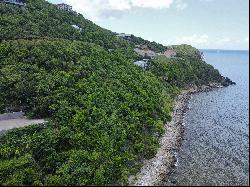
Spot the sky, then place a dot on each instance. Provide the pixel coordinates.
(204, 24)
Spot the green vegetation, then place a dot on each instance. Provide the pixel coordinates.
(41, 19)
(185, 70)
(106, 114)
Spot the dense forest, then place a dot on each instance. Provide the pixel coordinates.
(105, 114)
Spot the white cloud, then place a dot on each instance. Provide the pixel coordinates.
(156, 4)
(180, 5)
(195, 40)
(96, 9)
(223, 40)
(226, 41)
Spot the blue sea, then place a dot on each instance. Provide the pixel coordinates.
(215, 150)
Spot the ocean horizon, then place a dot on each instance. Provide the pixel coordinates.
(224, 50)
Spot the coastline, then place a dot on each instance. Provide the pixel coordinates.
(156, 169)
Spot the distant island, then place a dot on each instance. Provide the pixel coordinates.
(105, 112)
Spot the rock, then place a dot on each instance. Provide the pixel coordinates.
(228, 82)
(154, 170)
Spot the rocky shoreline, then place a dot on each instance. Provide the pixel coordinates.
(156, 169)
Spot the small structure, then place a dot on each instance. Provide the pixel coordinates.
(170, 53)
(77, 27)
(124, 36)
(142, 63)
(143, 47)
(65, 7)
(146, 53)
(14, 2)
(145, 60)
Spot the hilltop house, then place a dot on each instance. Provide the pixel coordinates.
(14, 2)
(170, 53)
(142, 63)
(124, 36)
(145, 52)
(65, 7)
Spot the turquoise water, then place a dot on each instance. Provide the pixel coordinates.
(215, 150)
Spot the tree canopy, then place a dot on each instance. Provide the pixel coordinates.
(105, 114)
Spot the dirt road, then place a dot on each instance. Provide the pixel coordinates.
(16, 123)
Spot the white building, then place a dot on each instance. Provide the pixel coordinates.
(170, 53)
(65, 7)
(77, 27)
(123, 35)
(142, 63)
(145, 52)
(14, 2)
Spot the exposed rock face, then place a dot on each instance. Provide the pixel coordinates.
(228, 82)
(156, 168)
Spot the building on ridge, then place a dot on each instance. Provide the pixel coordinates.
(64, 7)
(170, 53)
(14, 2)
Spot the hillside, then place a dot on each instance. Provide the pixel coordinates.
(105, 113)
(41, 19)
